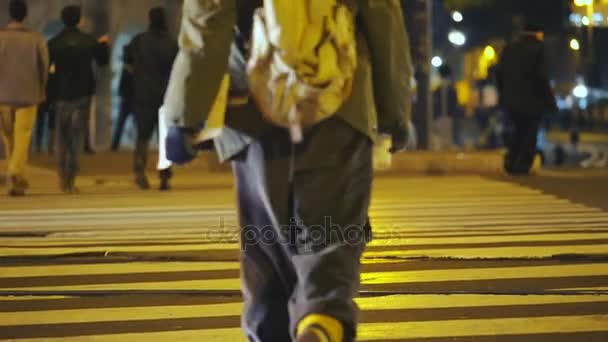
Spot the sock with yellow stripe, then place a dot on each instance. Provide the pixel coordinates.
(325, 328)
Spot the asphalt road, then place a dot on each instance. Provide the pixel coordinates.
(455, 258)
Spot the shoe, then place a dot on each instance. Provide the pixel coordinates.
(17, 186)
(142, 182)
(164, 184)
(313, 335)
(21, 182)
(320, 328)
(69, 188)
(16, 192)
(165, 176)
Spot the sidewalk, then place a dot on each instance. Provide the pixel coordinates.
(109, 164)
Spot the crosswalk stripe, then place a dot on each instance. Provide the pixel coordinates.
(373, 278)
(482, 327)
(477, 252)
(391, 331)
(389, 303)
(388, 240)
(466, 219)
(113, 268)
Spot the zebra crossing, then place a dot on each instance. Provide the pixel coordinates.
(453, 259)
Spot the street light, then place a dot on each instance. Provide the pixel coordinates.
(437, 61)
(457, 38)
(489, 53)
(581, 91)
(457, 16)
(574, 44)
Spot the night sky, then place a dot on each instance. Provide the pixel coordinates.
(482, 24)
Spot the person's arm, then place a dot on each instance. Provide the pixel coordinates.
(204, 41)
(44, 60)
(102, 51)
(391, 60)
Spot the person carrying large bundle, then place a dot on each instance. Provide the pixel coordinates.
(324, 78)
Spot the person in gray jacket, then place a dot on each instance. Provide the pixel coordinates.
(303, 209)
(24, 66)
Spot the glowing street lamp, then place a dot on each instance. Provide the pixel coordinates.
(437, 61)
(457, 38)
(489, 53)
(457, 16)
(581, 91)
(574, 44)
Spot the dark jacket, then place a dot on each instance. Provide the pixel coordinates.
(73, 54)
(445, 102)
(522, 79)
(380, 100)
(150, 56)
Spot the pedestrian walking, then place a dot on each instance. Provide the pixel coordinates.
(73, 53)
(303, 206)
(150, 55)
(24, 64)
(45, 120)
(126, 90)
(448, 114)
(525, 95)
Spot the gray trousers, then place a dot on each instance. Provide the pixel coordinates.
(302, 232)
(71, 117)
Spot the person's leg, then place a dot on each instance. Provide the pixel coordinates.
(7, 118)
(52, 109)
(63, 118)
(76, 125)
(25, 118)
(522, 151)
(7, 126)
(267, 278)
(41, 120)
(88, 144)
(125, 111)
(146, 119)
(512, 136)
(331, 210)
(529, 127)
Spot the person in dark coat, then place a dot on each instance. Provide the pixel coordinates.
(525, 95)
(126, 90)
(445, 104)
(45, 120)
(303, 209)
(150, 56)
(73, 53)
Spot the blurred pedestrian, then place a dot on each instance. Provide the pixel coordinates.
(126, 90)
(150, 55)
(73, 53)
(24, 65)
(45, 120)
(449, 115)
(525, 95)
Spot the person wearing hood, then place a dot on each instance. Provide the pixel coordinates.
(525, 95)
(150, 57)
